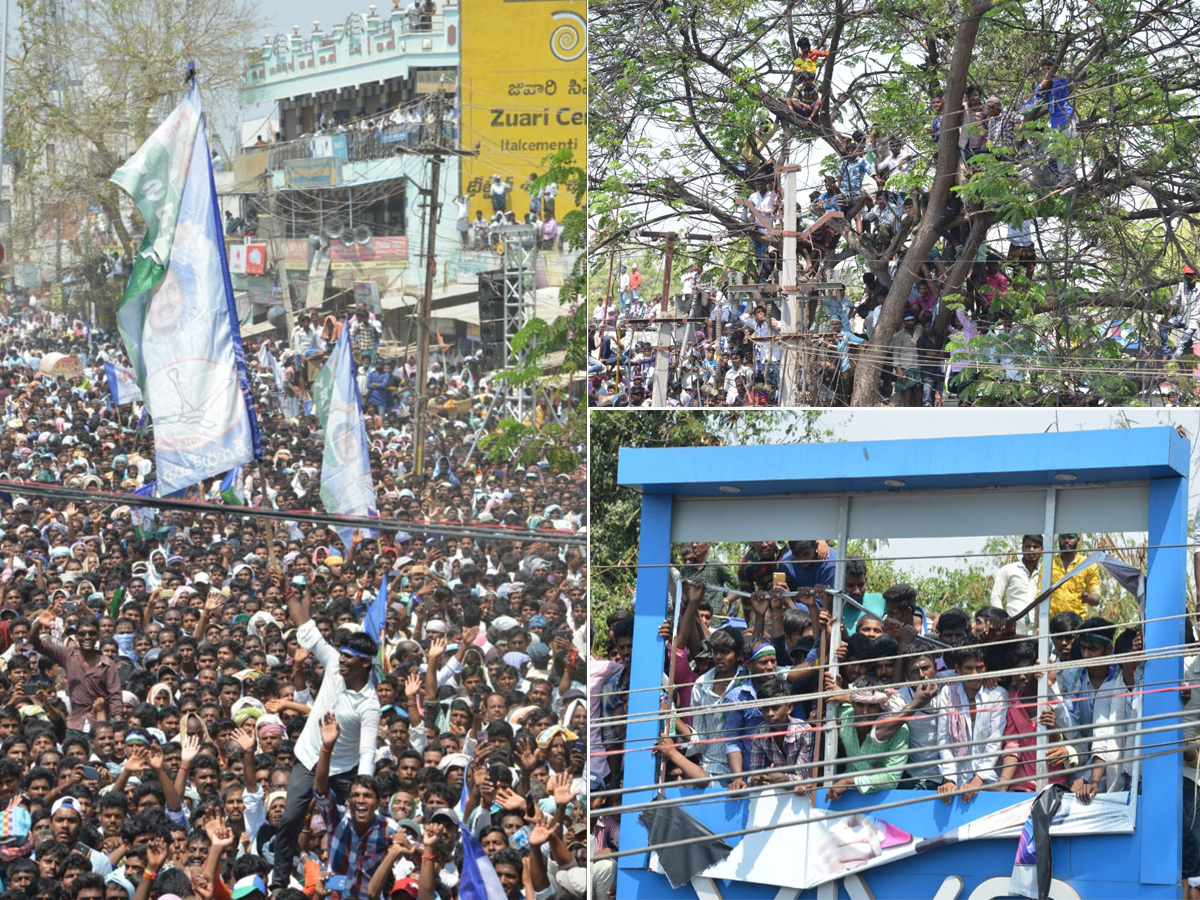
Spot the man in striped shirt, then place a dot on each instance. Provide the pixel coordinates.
(360, 838)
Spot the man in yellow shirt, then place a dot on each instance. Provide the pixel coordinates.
(1079, 592)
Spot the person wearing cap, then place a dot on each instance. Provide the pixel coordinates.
(1081, 590)
(1084, 691)
(1002, 128)
(66, 821)
(1185, 315)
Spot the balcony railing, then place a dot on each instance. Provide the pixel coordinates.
(354, 145)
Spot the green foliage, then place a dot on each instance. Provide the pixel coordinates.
(615, 512)
(966, 586)
(677, 88)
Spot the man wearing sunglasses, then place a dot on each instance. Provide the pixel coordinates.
(91, 676)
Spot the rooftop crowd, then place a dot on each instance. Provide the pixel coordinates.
(190, 706)
(947, 704)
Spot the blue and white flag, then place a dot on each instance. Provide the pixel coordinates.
(143, 517)
(122, 384)
(178, 319)
(267, 360)
(478, 880)
(233, 487)
(377, 613)
(346, 483)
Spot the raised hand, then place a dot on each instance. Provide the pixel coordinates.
(510, 800)
(138, 759)
(776, 598)
(542, 829)
(329, 730)
(274, 706)
(437, 648)
(190, 748)
(560, 787)
(412, 685)
(200, 883)
(401, 844)
(154, 756)
(156, 853)
(692, 591)
(245, 738)
(220, 834)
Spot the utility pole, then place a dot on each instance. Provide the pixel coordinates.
(662, 357)
(789, 300)
(276, 238)
(431, 218)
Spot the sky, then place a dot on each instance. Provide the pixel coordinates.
(934, 423)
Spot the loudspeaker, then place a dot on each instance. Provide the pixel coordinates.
(493, 356)
(491, 296)
(491, 331)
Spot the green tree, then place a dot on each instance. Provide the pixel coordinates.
(88, 82)
(561, 340)
(679, 88)
(615, 512)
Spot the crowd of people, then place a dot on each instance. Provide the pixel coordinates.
(192, 704)
(483, 233)
(873, 204)
(947, 704)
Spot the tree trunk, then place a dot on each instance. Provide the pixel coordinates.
(866, 376)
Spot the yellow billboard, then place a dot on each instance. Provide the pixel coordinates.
(523, 96)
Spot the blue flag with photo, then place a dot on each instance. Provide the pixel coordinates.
(177, 318)
(122, 384)
(346, 483)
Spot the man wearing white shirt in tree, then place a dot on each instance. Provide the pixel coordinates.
(764, 326)
(1016, 584)
(346, 691)
(764, 201)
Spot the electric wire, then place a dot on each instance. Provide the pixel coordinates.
(876, 557)
(200, 507)
(1177, 651)
(1069, 735)
(910, 655)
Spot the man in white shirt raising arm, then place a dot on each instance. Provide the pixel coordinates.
(346, 690)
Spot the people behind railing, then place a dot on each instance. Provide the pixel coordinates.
(954, 704)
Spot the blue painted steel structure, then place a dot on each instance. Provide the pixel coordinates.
(1083, 468)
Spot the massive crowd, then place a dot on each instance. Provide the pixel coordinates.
(946, 704)
(732, 352)
(190, 705)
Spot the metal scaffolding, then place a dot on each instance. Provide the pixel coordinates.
(520, 243)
